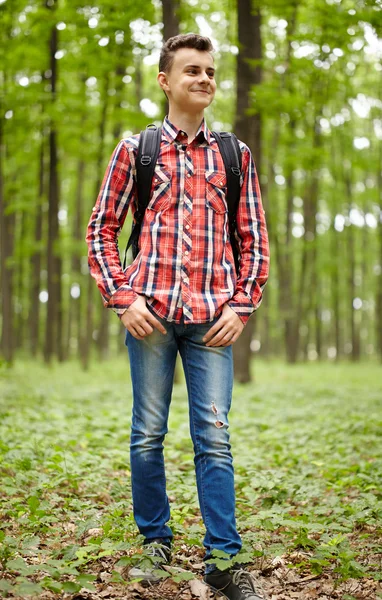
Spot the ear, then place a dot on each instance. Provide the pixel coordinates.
(162, 80)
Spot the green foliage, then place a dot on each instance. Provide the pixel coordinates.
(307, 461)
(319, 92)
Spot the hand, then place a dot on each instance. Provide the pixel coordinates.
(226, 330)
(139, 321)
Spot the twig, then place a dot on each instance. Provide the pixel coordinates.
(304, 580)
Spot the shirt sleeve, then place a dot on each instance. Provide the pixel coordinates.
(252, 238)
(116, 194)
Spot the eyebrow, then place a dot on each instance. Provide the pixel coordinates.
(198, 67)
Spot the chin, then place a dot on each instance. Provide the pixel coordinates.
(204, 100)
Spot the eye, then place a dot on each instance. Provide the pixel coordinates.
(193, 71)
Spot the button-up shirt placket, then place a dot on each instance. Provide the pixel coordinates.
(186, 158)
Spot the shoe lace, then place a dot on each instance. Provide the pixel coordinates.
(247, 583)
(157, 551)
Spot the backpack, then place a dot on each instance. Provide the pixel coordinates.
(148, 150)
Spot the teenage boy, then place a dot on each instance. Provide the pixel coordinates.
(182, 293)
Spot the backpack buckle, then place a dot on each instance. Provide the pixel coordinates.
(145, 160)
(235, 171)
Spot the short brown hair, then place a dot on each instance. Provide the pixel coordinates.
(188, 40)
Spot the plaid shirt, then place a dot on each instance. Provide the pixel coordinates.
(185, 266)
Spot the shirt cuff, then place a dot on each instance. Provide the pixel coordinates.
(122, 299)
(242, 305)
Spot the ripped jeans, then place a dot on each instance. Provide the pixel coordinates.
(209, 377)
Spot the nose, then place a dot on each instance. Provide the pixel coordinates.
(203, 78)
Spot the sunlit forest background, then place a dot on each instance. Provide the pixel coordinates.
(299, 81)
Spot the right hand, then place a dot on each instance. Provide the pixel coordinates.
(139, 321)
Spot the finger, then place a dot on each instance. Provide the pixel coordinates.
(221, 338)
(136, 335)
(211, 332)
(231, 341)
(155, 323)
(142, 329)
(235, 337)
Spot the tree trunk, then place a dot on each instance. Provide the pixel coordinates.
(19, 284)
(53, 337)
(170, 14)
(103, 328)
(335, 291)
(34, 304)
(248, 129)
(351, 261)
(7, 223)
(316, 291)
(74, 317)
(308, 252)
(87, 334)
(378, 303)
(170, 17)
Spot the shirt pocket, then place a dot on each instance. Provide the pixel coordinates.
(160, 199)
(216, 190)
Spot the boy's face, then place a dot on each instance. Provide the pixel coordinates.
(190, 85)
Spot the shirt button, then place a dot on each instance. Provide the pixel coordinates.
(188, 174)
(186, 252)
(94, 207)
(187, 227)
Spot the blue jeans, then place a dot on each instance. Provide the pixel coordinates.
(209, 377)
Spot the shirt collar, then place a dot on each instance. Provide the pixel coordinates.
(171, 131)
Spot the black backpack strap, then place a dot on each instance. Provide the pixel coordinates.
(231, 154)
(147, 155)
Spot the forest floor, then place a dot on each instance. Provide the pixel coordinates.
(307, 446)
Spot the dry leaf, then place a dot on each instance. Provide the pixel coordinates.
(200, 589)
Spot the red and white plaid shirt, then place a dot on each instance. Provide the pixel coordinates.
(185, 266)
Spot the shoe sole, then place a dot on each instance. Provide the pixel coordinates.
(145, 580)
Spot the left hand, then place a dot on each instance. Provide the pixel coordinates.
(226, 330)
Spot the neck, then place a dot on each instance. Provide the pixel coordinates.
(188, 122)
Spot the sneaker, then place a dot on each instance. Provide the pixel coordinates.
(148, 569)
(235, 584)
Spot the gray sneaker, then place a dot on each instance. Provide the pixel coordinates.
(148, 568)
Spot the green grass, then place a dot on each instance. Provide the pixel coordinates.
(307, 452)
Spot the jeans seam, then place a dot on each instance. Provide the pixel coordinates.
(197, 441)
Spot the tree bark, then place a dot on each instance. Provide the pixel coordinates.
(103, 329)
(309, 247)
(170, 17)
(7, 223)
(34, 304)
(248, 129)
(19, 281)
(378, 303)
(351, 261)
(74, 317)
(53, 334)
(170, 14)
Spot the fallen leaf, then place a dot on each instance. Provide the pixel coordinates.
(94, 532)
(200, 589)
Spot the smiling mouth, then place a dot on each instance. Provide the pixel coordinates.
(203, 91)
